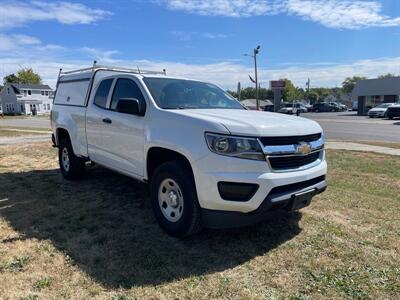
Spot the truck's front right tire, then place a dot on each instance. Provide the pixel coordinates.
(71, 166)
(174, 199)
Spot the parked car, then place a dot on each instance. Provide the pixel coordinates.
(380, 110)
(208, 161)
(393, 111)
(338, 105)
(290, 108)
(325, 107)
(343, 107)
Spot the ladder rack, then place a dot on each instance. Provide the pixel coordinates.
(96, 67)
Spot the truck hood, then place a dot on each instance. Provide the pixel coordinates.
(254, 123)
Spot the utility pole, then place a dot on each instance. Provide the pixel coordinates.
(239, 90)
(255, 52)
(255, 73)
(308, 90)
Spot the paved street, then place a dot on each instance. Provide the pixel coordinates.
(350, 127)
(38, 122)
(337, 126)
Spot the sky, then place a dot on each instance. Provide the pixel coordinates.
(324, 40)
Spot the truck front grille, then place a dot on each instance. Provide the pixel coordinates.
(293, 161)
(289, 140)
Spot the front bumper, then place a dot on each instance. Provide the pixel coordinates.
(283, 200)
(376, 113)
(207, 173)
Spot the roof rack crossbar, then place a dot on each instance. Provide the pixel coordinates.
(108, 68)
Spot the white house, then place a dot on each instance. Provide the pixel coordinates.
(27, 99)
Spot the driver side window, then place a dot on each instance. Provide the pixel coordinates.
(126, 88)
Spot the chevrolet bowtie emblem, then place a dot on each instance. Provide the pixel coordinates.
(303, 148)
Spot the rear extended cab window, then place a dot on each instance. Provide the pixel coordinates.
(100, 99)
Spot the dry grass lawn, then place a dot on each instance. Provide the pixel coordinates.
(97, 238)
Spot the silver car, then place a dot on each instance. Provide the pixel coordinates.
(379, 111)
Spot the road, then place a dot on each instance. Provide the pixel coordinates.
(350, 127)
(38, 122)
(337, 126)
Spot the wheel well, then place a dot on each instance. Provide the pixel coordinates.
(61, 134)
(157, 156)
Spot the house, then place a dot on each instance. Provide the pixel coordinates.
(26, 99)
(372, 92)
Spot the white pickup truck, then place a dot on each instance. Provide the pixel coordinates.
(208, 160)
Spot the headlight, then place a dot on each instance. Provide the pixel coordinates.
(235, 146)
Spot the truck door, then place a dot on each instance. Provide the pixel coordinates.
(124, 132)
(96, 123)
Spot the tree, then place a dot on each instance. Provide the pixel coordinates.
(28, 76)
(291, 93)
(10, 79)
(313, 97)
(388, 75)
(349, 83)
(23, 76)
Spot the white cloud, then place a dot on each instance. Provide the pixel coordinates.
(16, 13)
(225, 73)
(227, 8)
(106, 56)
(19, 42)
(342, 14)
(190, 35)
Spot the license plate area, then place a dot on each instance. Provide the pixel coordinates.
(302, 199)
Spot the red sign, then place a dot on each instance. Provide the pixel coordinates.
(277, 84)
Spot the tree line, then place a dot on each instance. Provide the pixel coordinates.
(289, 94)
(293, 93)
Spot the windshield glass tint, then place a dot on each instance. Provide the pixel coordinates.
(180, 94)
(384, 105)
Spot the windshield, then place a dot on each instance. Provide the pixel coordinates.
(180, 94)
(385, 105)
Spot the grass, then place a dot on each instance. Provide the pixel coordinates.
(12, 131)
(97, 238)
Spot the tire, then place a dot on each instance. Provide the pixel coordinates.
(71, 166)
(174, 199)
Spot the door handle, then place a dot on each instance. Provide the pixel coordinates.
(107, 120)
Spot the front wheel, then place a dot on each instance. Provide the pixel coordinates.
(71, 166)
(174, 199)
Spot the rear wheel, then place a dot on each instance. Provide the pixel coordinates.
(71, 166)
(174, 199)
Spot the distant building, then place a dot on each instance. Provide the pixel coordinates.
(26, 99)
(252, 104)
(372, 92)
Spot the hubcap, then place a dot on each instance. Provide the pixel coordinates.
(170, 199)
(65, 159)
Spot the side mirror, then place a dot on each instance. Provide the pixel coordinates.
(130, 106)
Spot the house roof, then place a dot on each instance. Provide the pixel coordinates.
(30, 86)
(252, 102)
(377, 87)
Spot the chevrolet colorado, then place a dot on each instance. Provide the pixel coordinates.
(208, 161)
